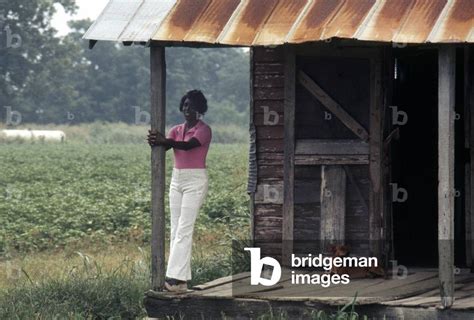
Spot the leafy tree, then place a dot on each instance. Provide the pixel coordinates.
(26, 41)
(68, 83)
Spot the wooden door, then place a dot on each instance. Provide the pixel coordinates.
(338, 152)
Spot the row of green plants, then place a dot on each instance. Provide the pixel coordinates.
(58, 195)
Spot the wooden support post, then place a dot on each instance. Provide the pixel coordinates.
(389, 133)
(289, 156)
(469, 108)
(158, 113)
(333, 205)
(376, 194)
(253, 172)
(446, 100)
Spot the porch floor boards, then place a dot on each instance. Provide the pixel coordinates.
(420, 289)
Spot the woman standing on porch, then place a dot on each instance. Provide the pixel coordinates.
(189, 183)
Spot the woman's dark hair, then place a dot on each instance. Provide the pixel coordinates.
(198, 100)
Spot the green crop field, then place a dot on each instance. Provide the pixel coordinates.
(54, 195)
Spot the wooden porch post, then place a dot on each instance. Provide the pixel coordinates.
(446, 100)
(469, 123)
(289, 156)
(253, 149)
(376, 196)
(158, 108)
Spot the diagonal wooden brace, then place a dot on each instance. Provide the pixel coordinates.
(333, 106)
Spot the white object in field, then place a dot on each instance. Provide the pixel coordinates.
(41, 135)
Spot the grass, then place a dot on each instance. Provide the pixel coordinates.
(96, 284)
(346, 312)
(85, 289)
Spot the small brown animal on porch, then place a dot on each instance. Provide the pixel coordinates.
(353, 272)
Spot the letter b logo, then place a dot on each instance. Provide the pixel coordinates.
(256, 265)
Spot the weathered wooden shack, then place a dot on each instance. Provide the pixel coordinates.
(361, 129)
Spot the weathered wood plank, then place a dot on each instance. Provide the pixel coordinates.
(431, 298)
(469, 103)
(253, 159)
(324, 131)
(356, 186)
(289, 159)
(388, 134)
(264, 105)
(411, 280)
(272, 192)
(269, 118)
(292, 292)
(407, 290)
(333, 292)
(269, 94)
(271, 158)
(307, 191)
(268, 68)
(467, 214)
(270, 171)
(263, 221)
(375, 165)
(268, 234)
(331, 147)
(333, 106)
(271, 210)
(269, 193)
(221, 281)
(269, 81)
(310, 173)
(158, 120)
(270, 132)
(465, 303)
(307, 210)
(247, 308)
(355, 50)
(314, 160)
(270, 146)
(446, 100)
(264, 54)
(333, 205)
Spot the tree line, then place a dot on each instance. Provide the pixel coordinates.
(51, 79)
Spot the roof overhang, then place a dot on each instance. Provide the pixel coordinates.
(277, 22)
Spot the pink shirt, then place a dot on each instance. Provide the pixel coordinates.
(196, 157)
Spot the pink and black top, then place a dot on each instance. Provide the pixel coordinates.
(196, 157)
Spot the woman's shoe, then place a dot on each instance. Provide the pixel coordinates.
(173, 285)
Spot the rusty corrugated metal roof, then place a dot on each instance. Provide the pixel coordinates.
(275, 22)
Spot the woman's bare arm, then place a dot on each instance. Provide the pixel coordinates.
(182, 145)
(157, 139)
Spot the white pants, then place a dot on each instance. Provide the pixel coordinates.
(188, 189)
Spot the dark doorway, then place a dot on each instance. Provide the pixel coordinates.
(414, 166)
(415, 160)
